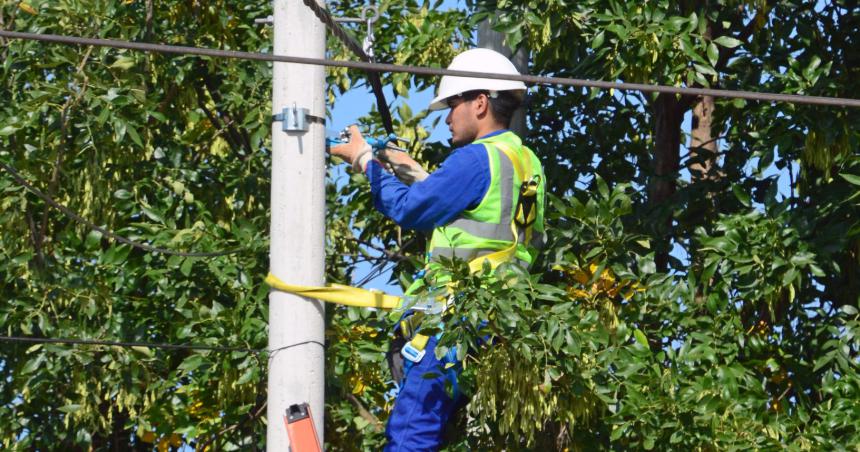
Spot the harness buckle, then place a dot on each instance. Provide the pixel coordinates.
(412, 353)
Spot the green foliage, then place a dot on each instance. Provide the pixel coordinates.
(165, 150)
(749, 339)
(682, 362)
(174, 152)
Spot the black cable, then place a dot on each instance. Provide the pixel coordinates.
(373, 77)
(127, 344)
(420, 70)
(71, 214)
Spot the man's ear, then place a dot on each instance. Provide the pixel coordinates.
(482, 105)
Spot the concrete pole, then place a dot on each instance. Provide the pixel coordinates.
(494, 40)
(296, 374)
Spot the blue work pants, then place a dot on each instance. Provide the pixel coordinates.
(423, 407)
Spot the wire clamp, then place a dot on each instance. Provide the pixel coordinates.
(294, 119)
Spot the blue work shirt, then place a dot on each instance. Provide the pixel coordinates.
(458, 184)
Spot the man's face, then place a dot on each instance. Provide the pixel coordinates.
(462, 120)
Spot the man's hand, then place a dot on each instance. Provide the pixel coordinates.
(357, 152)
(403, 166)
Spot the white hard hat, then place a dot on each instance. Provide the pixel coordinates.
(477, 60)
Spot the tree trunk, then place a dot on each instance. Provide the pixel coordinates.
(703, 145)
(703, 172)
(494, 40)
(668, 113)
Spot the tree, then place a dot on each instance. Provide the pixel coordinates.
(744, 337)
(171, 151)
(747, 316)
(167, 151)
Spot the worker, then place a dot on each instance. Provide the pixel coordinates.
(468, 203)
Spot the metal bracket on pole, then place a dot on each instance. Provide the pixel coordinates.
(294, 119)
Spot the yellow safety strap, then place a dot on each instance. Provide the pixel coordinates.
(498, 257)
(340, 294)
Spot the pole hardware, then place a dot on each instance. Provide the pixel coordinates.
(294, 119)
(264, 20)
(369, 15)
(369, 39)
(364, 16)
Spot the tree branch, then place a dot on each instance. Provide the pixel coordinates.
(391, 255)
(367, 415)
(212, 88)
(725, 54)
(4, 42)
(65, 114)
(148, 21)
(34, 235)
(213, 118)
(229, 428)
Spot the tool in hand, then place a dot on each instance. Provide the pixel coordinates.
(378, 144)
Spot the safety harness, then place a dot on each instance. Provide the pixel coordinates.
(524, 217)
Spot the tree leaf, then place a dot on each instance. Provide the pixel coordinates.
(123, 62)
(713, 54)
(71, 408)
(728, 42)
(598, 40)
(640, 338)
(93, 239)
(122, 194)
(741, 195)
(850, 178)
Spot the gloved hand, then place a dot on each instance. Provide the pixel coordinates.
(357, 152)
(403, 166)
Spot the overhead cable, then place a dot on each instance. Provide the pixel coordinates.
(160, 345)
(125, 344)
(106, 232)
(351, 44)
(420, 70)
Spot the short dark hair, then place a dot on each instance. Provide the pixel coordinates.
(503, 105)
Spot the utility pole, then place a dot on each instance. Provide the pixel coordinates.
(296, 374)
(494, 40)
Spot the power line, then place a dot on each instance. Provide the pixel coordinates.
(106, 232)
(373, 77)
(126, 344)
(161, 345)
(420, 70)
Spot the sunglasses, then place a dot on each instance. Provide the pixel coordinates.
(456, 100)
(453, 101)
